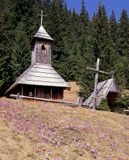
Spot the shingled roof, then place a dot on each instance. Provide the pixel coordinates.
(40, 75)
(103, 88)
(43, 34)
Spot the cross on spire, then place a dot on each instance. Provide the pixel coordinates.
(97, 71)
(42, 15)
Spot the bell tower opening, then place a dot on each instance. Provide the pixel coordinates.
(43, 47)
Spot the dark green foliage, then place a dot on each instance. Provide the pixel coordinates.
(20, 51)
(103, 44)
(79, 41)
(87, 78)
(104, 106)
(113, 27)
(123, 34)
(84, 14)
(5, 42)
(98, 44)
(123, 50)
(122, 103)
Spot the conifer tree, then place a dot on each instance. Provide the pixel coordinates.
(87, 77)
(54, 26)
(123, 34)
(103, 44)
(84, 14)
(5, 42)
(20, 51)
(113, 27)
(122, 66)
(87, 53)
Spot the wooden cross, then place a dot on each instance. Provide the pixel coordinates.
(97, 71)
(42, 15)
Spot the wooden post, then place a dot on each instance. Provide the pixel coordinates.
(51, 93)
(96, 82)
(17, 97)
(34, 91)
(22, 89)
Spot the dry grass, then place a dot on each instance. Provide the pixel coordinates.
(73, 93)
(126, 92)
(13, 146)
(44, 131)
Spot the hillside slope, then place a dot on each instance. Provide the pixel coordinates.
(44, 131)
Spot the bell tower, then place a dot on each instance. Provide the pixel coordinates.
(41, 46)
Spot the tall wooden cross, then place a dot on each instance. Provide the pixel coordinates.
(97, 71)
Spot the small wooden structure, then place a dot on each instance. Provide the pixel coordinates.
(126, 111)
(97, 71)
(40, 79)
(105, 89)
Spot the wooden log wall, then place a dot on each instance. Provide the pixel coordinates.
(55, 93)
(43, 52)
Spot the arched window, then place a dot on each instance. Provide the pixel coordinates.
(43, 47)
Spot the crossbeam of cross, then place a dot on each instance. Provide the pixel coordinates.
(97, 71)
(42, 15)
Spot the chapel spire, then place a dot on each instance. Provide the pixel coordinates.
(42, 34)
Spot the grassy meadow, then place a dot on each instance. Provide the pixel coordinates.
(44, 131)
(31, 130)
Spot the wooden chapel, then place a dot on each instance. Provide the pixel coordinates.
(40, 80)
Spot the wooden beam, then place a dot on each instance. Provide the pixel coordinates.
(67, 103)
(96, 82)
(98, 71)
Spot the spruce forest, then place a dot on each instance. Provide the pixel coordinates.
(78, 41)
